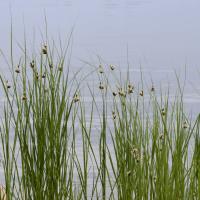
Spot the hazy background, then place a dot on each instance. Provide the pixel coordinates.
(162, 36)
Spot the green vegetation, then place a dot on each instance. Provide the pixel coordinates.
(144, 147)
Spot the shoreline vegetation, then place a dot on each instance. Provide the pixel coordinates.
(51, 147)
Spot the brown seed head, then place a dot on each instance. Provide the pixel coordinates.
(163, 111)
(130, 89)
(114, 115)
(101, 69)
(112, 67)
(50, 65)
(8, 85)
(32, 64)
(136, 154)
(185, 125)
(44, 49)
(101, 86)
(152, 89)
(76, 98)
(142, 93)
(44, 75)
(24, 98)
(37, 75)
(114, 94)
(121, 92)
(17, 70)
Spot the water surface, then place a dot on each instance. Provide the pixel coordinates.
(161, 36)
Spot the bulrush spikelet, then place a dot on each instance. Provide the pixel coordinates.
(185, 125)
(101, 69)
(142, 93)
(76, 98)
(112, 67)
(101, 86)
(163, 112)
(24, 98)
(44, 75)
(50, 65)
(136, 154)
(121, 92)
(32, 64)
(130, 88)
(8, 85)
(152, 88)
(113, 115)
(17, 70)
(114, 94)
(36, 75)
(44, 49)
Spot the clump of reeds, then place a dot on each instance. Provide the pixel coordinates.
(47, 136)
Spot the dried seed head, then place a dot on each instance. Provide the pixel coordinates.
(17, 70)
(114, 94)
(76, 98)
(101, 86)
(138, 159)
(185, 125)
(8, 85)
(24, 98)
(101, 69)
(161, 137)
(44, 49)
(134, 151)
(136, 154)
(121, 92)
(50, 65)
(130, 86)
(130, 89)
(142, 93)
(113, 115)
(152, 89)
(37, 75)
(112, 67)
(163, 111)
(32, 64)
(44, 75)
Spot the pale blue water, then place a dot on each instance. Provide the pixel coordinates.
(161, 36)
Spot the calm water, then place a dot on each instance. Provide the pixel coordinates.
(160, 35)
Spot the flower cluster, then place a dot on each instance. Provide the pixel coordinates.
(136, 154)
